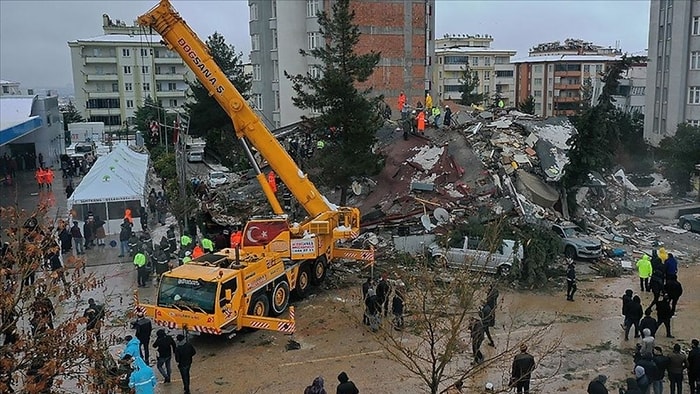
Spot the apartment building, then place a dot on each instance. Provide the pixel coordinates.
(673, 78)
(9, 88)
(114, 73)
(631, 94)
(496, 74)
(402, 30)
(554, 74)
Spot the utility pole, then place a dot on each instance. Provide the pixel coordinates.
(182, 124)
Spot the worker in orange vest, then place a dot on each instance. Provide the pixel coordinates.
(236, 237)
(421, 122)
(197, 251)
(39, 176)
(272, 181)
(49, 177)
(127, 216)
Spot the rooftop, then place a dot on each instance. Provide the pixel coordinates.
(16, 118)
(473, 50)
(567, 58)
(140, 38)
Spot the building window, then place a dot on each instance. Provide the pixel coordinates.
(487, 89)
(696, 25)
(144, 52)
(277, 100)
(538, 107)
(586, 68)
(668, 31)
(255, 42)
(538, 81)
(146, 86)
(638, 90)
(126, 52)
(159, 86)
(128, 86)
(439, 74)
(115, 87)
(487, 75)
(694, 122)
(127, 69)
(314, 40)
(461, 60)
(257, 72)
(274, 38)
(273, 9)
(538, 93)
(598, 68)
(475, 60)
(315, 71)
(695, 60)
(129, 103)
(172, 86)
(312, 8)
(501, 60)
(157, 70)
(504, 73)
(254, 12)
(487, 61)
(258, 101)
(537, 68)
(144, 69)
(694, 95)
(173, 103)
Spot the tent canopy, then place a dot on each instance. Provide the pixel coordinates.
(118, 176)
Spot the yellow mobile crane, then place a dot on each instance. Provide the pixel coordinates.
(223, 292)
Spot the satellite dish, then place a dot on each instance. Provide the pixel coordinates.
(441, 215)
(356, 188)
(427, 224)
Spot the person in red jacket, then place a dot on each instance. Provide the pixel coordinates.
(421, 122)
(197, 251)
(272, 181)
(236, 238)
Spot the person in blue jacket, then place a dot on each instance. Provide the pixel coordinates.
(142, 379)
(132, 347)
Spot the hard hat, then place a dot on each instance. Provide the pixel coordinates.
(413, 112)
(187, 253)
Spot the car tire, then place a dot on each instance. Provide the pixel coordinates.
(570, 252)
(687, 226)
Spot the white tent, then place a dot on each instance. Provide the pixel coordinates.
(115, 182)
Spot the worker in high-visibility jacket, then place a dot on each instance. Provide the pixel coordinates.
(185, 242)
(208, 245)
(142, 270)
(436, 116)
(236, 238)
(187, 257)
(428, 102)
(198, 251)
(272, 181)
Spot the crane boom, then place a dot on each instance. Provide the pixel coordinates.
(164, 19)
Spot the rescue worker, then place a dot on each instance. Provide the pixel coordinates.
(207, 245)
(164, 245)
(186, 259)
(134, 244)
(162, 262)
(172, 239)
(428, 102)
(142, 270)
(48, 177)
(185, 242)
(436, 117)
(272, 181)
(39, 176)
(197, 252)
(142, 379)
(236, 238)
(127, 216)
(644, 269)
(402, 105)
(448, 117)
(421, 122)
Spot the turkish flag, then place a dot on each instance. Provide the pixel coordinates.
(260, 233)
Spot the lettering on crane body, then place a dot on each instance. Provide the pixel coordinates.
(200, 65)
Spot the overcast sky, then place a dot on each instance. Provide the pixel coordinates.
(34, 34)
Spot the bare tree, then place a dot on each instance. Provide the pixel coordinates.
(45, 343)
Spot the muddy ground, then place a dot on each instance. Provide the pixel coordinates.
(333, 340)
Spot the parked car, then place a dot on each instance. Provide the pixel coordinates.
(576, 244)
(690, 222)
(195, 157)
(216, 178)
(475, 258)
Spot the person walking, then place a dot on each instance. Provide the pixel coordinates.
(184, 352)
(141, 269)
(77, 238)
(570, 282)
(316, 387)
(664, 314)
(626, 301)
(597, 385)
(661, 361)
(383, 290)
(648, 322)
(521, 371)
(671, 265)
(94, 314)
(89, 232)
(397, 309)
(633, 316)
(365, 290)
(124, 236)
(487, 316)
(100, 233)
(172, 239)
(143, 327)
(448, 117)
(436, 117)
(143, 218)
(644, 270)
(643, 381)
(372, 310)
(401, 105)
(346, 385)
(165, 345)
(677, 363)
(673, 289)
(476, 332)
(65, 239)
(142, 379)
(420, 121)
(694, 367)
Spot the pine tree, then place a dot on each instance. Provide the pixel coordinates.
(528, 105)
(586, 94)
(470, 83)
(71, 115)
(342, 105)
(151, 112)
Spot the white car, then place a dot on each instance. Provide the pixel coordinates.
(216, 178)
(195, 157)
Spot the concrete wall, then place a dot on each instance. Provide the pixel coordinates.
(48, 140)
(413, 244)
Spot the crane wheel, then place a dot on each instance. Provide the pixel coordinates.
(319, 269)
(303, 282)
(260, 306)
(280, 298)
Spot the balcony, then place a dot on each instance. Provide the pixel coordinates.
(453, 67)
(170, 93)
(101, 77)
(103, 111)
(565, 86)
(563, 99)
(576, 73)
(101, 59)
(91, 95)
(167, 60)
(170, 77)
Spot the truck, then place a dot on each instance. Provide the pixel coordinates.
(250, 286)
(474, 257)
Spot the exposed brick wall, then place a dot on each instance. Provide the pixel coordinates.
(390, 46)
(378, 13)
